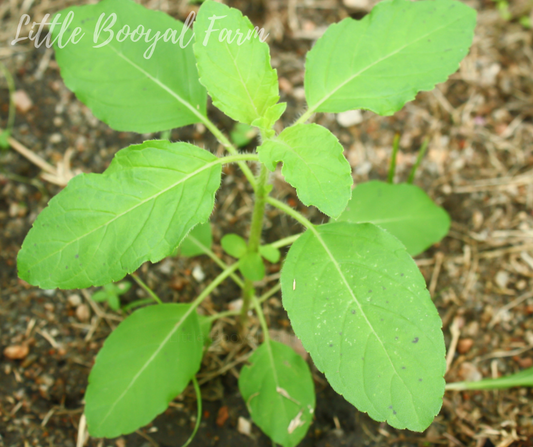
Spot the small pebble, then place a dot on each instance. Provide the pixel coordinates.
(83, 313)
(244, 426)
(74, 300)
(22, 101)
(16, 352)
(350, 118)
(198, 273)
(465, 345)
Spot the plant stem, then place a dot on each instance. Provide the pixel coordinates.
(392, 166)
(229, 147)
(419, 158)
(254, 240)
(216, 259)
(214, 284)
(285, 241)
(229, 313)
(293, 213)
(304, 117)
(146, 288)
(199, 411)
(262, 320)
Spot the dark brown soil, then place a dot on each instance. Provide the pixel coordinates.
(479, 167)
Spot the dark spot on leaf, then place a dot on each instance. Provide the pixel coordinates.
(353, 311)
(387, 302)
(370, 291)
(331, 345)
(340, 333)
(390, 407)
(384, 288)
(415, 340)
(394, 412)
(381, 319)
(403, 367)
(362, 358)
(28, 271)
(35, 245)
(420, 380)
(401, 274)
(77, 256)
(66, 266)
(395, 338)
(429, 40)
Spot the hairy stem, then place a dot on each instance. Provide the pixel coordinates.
(229, 147)
(285, 241)
(293, 213)
(254, 240)
(262, 320)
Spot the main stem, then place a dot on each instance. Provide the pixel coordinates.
(254, 240)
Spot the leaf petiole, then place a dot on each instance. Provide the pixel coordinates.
(392, 166)
(199, 412)
(147, 289)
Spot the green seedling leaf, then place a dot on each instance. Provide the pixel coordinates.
(141, 87)
(242, 134)
(111, 293)
(382, 61)
(404, 210)
(272, 114)
(252, 267)
(278, 389)
(199, 234)
(522, 378)
(4, 137)
(234, 245)
(270, 253)
(234, 63)
(103, 226)
(313, 162)
(145, 363)
(360, 305)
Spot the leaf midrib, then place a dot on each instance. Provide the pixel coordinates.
(344, 280)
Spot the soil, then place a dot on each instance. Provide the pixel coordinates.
(479, 167)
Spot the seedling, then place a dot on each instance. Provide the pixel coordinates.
(352, 291)
(110, 293)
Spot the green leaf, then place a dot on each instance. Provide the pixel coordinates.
(145, 363)
(205, 328)
(360, 305)
(122, 84)
(270, 253)
(234, 245)
(382, 61)
(4, 137)
(114, 302)
(278, 389)
(233, 62)
(313, 162)
(242, 134)
(272, 114)
(199, 234)
(404, 210)
(103, 226)
(110, 293)
(252, 267)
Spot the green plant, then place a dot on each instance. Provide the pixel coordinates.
(352, 291)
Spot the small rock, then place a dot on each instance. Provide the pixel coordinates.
(83, 313)
(244, 426)
(22, 101)
(16, 352)
(74, 300)
(55, 138)
(299, 93)
(468, 372)
(120, 442)
(235, 304)
(198, 273)
(350, 118)
(356, 4)
(464, 345)
(502, 278)
(285, 85)
(526, 363)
